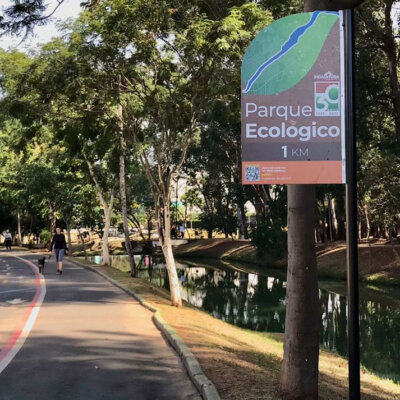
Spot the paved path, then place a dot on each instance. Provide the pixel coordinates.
(91, 341)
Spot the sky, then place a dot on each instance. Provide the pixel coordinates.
(71, 9)
(42, 34)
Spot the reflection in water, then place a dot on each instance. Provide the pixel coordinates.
(257, 302)
(379, 332)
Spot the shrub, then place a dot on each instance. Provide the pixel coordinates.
(269, 239)
(45, 236)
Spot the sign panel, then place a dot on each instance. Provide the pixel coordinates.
(293, 102)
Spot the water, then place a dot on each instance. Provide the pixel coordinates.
(256, 300)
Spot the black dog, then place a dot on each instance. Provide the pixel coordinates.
(41, 262)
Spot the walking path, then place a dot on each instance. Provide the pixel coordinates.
(91, 341)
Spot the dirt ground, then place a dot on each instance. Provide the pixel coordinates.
(378, 262)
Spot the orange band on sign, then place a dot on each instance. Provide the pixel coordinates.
(256, 173)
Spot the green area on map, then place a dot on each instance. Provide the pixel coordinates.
(294, 65)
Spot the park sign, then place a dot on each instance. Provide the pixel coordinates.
(293, 111)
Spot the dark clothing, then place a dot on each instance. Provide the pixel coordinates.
(58, 242)
(173, 233)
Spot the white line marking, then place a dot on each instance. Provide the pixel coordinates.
(19, 337)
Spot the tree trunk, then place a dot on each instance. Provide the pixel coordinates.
(301, 347)
(107, 209)
(334, 220)
(149, 228)
(122, 189)
(240, 222)
(367, 220)
(330, 219)
(340, 215)
(299, 378)
(166, 245)
(83, 243)
(391, 50)
(53, 221)
(107, 224)
(69, 238)
(31, 225)
(19, 229)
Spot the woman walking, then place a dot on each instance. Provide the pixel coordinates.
(60, 247)
(8, 240)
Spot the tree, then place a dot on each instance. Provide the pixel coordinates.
(140, 200)
(21, 16)
(39, 95)
(162, 86)
(269, 235)
(99, 167)
(122, 188)
(377, 31)
(301, 345)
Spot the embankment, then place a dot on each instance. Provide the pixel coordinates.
(379, 263)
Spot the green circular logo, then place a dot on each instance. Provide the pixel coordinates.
(333, 93)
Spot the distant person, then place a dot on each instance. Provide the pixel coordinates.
(174, 232)
(8, 240)
(60, 247)
(182, 231)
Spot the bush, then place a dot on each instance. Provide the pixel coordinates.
(269, 239)
(45, 236)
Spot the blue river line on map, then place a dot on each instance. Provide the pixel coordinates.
(288, 45)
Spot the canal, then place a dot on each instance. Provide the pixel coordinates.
(254, 298)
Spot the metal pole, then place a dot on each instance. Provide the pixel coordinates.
(330, 217)
(351, 215)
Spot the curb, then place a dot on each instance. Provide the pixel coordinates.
(205, 387)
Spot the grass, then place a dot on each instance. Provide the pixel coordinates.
(244, 364)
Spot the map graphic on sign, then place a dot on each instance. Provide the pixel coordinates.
(292, 102)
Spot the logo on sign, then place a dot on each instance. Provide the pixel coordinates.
(328, 76)
(327, 99)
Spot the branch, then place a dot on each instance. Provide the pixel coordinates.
(169, 44)
(53, 12)
(132, 218)
(96, 182)
(24, 16)
(147, 169)
(187, 144)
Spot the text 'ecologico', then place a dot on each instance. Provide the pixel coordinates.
(288, 128)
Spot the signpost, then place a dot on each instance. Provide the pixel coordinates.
(298, 123)
(293, 102)
(351, 215)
